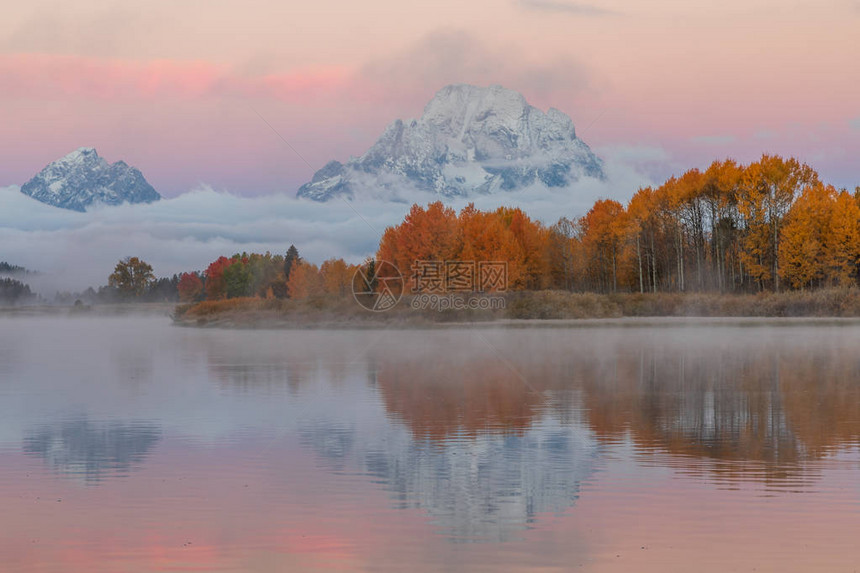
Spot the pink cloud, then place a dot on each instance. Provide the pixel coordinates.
(37, 76)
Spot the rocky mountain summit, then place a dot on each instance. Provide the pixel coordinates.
(82, 179)
(469, 140)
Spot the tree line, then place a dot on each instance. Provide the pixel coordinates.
(769, 225)
(267, 276)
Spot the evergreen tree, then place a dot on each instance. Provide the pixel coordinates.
(290, 260)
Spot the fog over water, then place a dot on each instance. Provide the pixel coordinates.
(300, 449)
(75, 250)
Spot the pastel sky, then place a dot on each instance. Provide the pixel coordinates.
(181, 89)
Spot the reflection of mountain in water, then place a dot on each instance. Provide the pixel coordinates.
(489, 486)
(333, 442)
(479, 486)
(93, 450)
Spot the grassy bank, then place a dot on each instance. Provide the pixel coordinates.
(819, 303)
(125, 309)
(315, 312)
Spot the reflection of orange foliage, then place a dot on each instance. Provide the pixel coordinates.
(777, 407)
(439, 398)
(821, 399)
(720, 407)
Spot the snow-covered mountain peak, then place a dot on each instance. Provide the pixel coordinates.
(83, 178)
(469, 140)
(79, 157)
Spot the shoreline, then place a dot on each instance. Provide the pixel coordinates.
(117, 310)
(378, 321)
(521, 309)
(563, 323)
(544, 308)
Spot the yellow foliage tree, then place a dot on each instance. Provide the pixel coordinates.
(767, 191)
(336, 277)
(842, 241)
(305, 281)
(801, 249)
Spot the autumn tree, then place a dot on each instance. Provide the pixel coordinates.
(429, 234)
(605, 227)
(766, 193)
(562, 242)
(190, 287)
(216, 288)
(266, 275)
(336, 276)
(801, 248)
(842, 239)
(132, 276)
(305, 281)
(526, 251)
(721, 183)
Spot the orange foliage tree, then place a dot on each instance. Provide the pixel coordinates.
(305, 281)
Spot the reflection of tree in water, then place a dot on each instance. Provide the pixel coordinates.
(92, 450)
(734, 402)
(758, 411)
(275, 363)
(438, 395)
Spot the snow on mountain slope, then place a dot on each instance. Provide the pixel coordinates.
(468, 140)
(82, 179)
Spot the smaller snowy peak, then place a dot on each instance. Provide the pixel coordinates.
(81, 155)
(468, 140)
(82, 179)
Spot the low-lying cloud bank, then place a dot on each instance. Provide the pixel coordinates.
(75, 250)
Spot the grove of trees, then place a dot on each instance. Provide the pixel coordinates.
(267, 276)
(15, 292)
(769, 225)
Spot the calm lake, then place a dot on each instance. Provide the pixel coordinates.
(131, 445)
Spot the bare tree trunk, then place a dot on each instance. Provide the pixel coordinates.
(775, 257)
(653, 263)
(614, 271)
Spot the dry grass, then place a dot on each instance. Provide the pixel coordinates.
(819, 303)
(257, 312)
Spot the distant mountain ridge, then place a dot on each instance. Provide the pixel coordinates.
(82, 179)
(469, 140)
